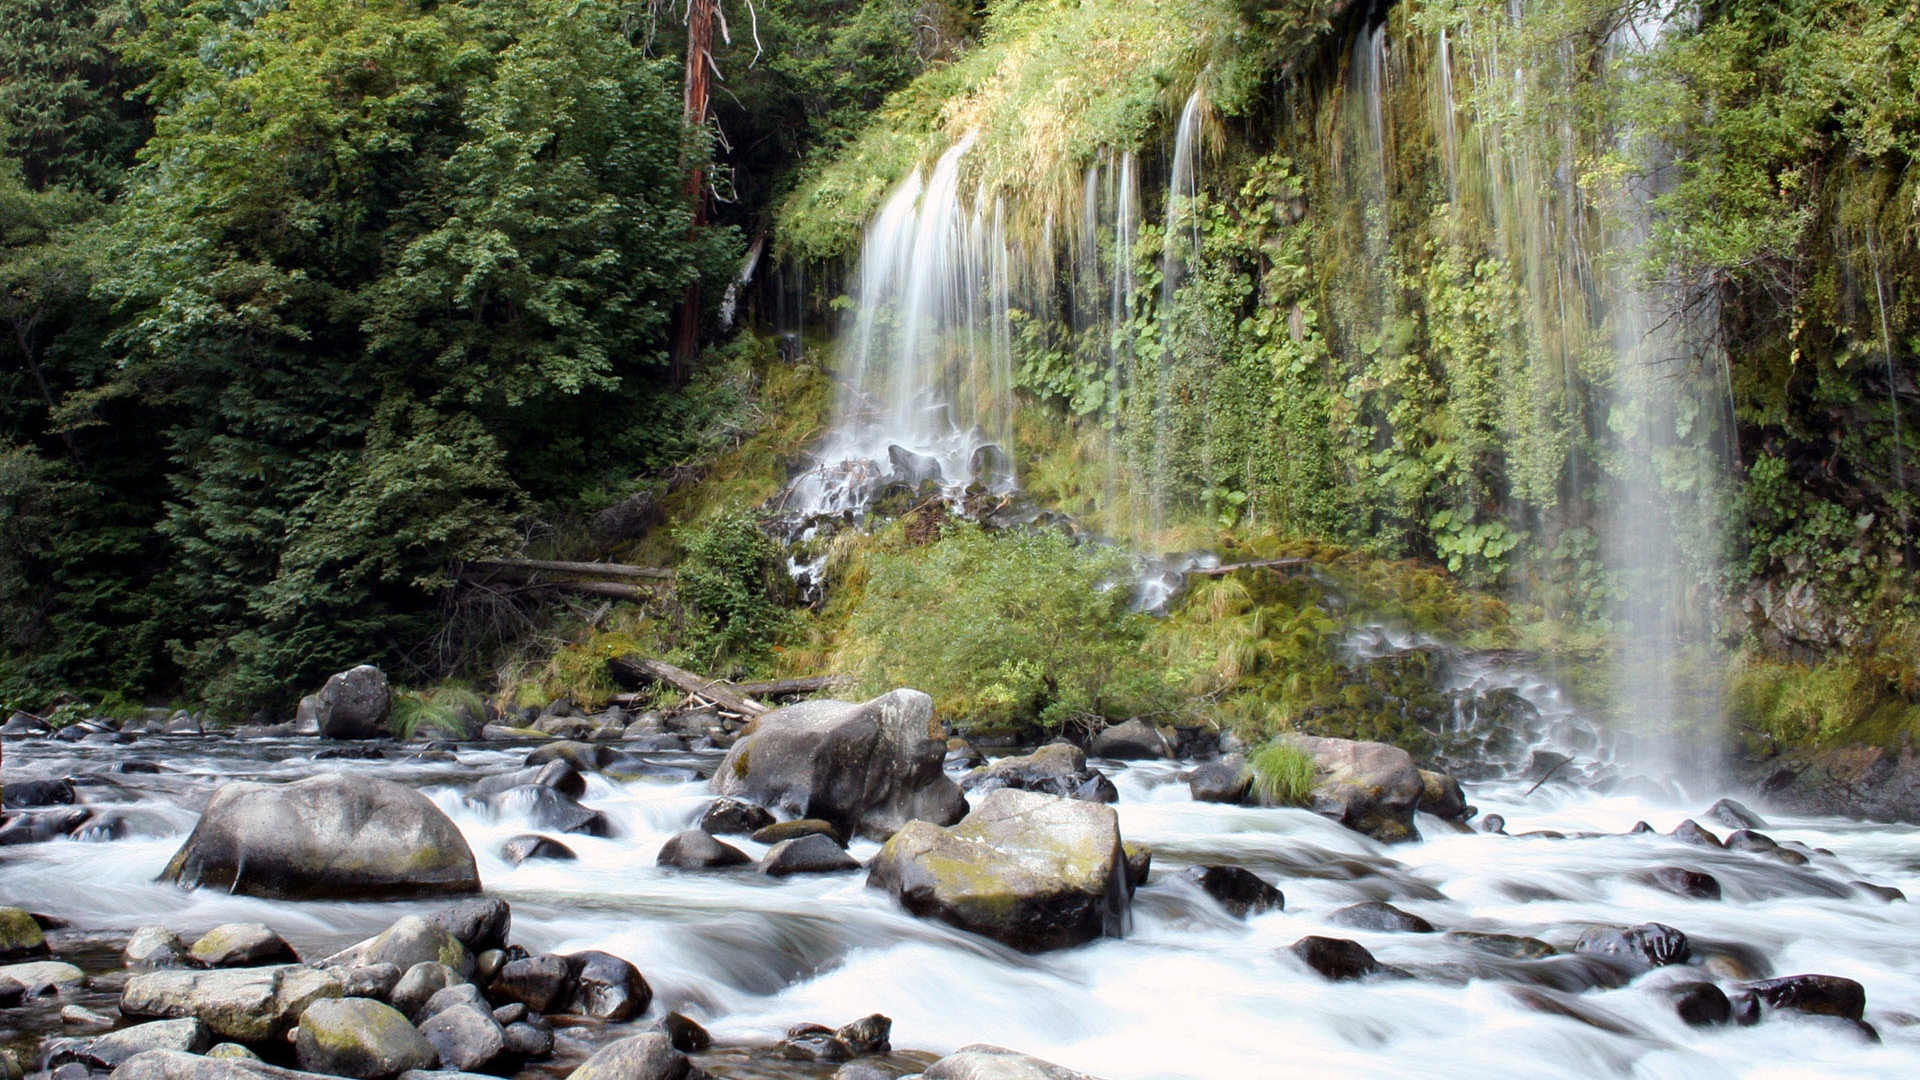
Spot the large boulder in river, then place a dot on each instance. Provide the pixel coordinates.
(1034, 871)
(867, 768)
(985, 1062)
(1135, 740)
(354, 705)
(361, 1039)
(1369, 787)
(334, 836)
(249, 1005)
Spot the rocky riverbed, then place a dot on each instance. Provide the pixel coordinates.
(1559, 932)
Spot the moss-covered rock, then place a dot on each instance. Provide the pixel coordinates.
(361, 1039)
(1369, 787)
(20, 935)
(248, 1005)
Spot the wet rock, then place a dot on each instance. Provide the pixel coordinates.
(465, 1037)
(1750, 841)
(687, 1036)
(558, 775)
(376, 981)
(1032, 871)
(242, 945)
(28, 794)
(868, 768)
(188, 1036)
(549, 809)
(649, 1056)
(354, 705)
(40, 826)
(1381, 917)
(456, 996)
(1512, 946)
(43, 977)
(863, 1070)
(583, 756)
(249, 1005)
(1493, 823)
(1542, 764)
(479, 924)
(419, 983)
(1442, 796)
(696, 849)
(793, 830)
(81, 1016)
(731, 817)
(542, 983)
(1886, 894)
(11, 993)
(1635, 948)
(1815, 995)
(1700, 1004)
(868, 1035)
(1228, 780)
(218, 1064)
(1734, 816)
(361, 1039)
(983, 1061)
(813, 1042)
(232, 1052)
(1368, 787)
(1135, 740)
(20, 935)
(528, 846)
(1337, 959)
(414, 940)
(527, 1040)
(1690, 832)
(810, 854)
(1240, 891)
(334, 836)
(1680, 881)
(1055, 769)
(1139, 863)
(605, 987)
(23, 724)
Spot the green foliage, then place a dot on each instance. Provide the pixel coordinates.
(449, 711)
(64, 114)
(730, 581)
(1012, 632)
(1283, 775)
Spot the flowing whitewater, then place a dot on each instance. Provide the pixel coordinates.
(1190, 992)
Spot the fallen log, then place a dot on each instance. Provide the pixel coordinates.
(775, 688)
(1257, 564)
(638, 669)
(594, 569)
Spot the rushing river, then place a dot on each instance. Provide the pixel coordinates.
(1190, 992)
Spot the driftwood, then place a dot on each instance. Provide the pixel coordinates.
(1257, 564)
(638, 669)
(777, 688)
(591, 569)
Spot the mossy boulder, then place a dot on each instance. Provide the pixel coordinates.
(362, 1039)
(868, 768)
(20, 936)
(336, 837)
(1034, 871)
(1369, 787)
(248, 1005)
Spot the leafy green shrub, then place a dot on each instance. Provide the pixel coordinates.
(1012, 631)
(731, 580)
(449, 710)
(1282, 775)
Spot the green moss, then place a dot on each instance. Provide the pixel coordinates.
(1283, 775)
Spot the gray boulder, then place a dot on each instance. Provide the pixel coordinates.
(529, 846)
(334, 836)
(354, 705)
(216, 1065)
(650, 1056)
(1034, 871)
(811, 854)
(479, 924)
(154, 947)
(43, 977)
(249, 1005)
(420, 983)
(1135, 740)
(189, 1036)
(696, 849)
(868, 768)
(242, 945)
(1054, 769)
(361, 1039)
(1227, 780)
(468, 1039)
(984, 1062)
(606, 987)
(413, 940)
(1369, 787)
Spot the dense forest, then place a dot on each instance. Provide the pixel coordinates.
(1544, 325)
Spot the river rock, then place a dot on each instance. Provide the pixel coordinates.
(27, 794)
(354, 705)
(221, 1063)
(419, 983)
(249, 1005)
(467, 1038)
(479, 924)
(20, 935)
(583, 756)
(793, 830)
(648, 1056)
(1734, 816)
(1337, 959)
(550, 809)
(606, 987)
(982, 1061)
(1240, 891)
(1681, 881)
(696, 849)
(43, 977)
(23, 724)
(1135, 740)
(413, 940)
(1368, 787)
(376, 981)
(1700, 1004)
(1034, 871)
(528, 1040)
(731, 817)
(188, 1036)
(454, 996)
(1442, 796)
(1816, 995)
(542, 983)
(1228, 780)
(814, 853)
(1635, 948)
(1054, 769)
(1512, 946)
(40, 826)
(154, 947)
(334, 836)
(558, 775)
(1690, 832)
(242, 945)
(529, 846)
(361, 1039)
(1380, 917)
(813, 1042)
(81, 1016)
(869, 768)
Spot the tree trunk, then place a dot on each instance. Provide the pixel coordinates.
(638, 669)
(686, 333)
